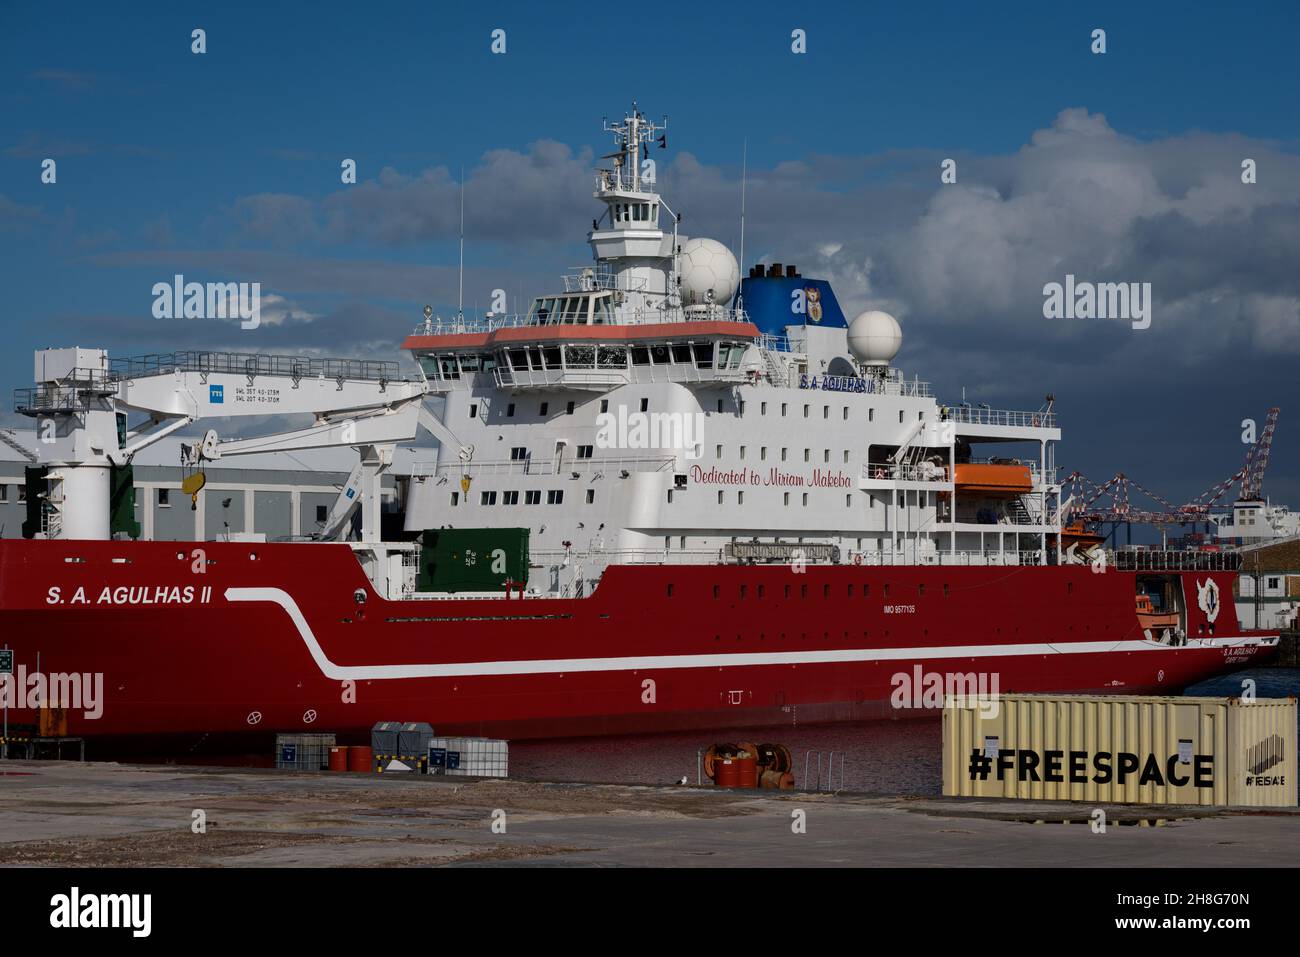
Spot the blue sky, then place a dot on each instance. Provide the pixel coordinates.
(225, 166)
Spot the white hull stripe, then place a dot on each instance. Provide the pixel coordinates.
(459, 669)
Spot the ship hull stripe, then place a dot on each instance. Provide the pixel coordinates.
(460, 669)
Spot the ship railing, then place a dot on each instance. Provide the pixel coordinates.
(770, 343)
(896, 472)
(978, 415)
(600, 559)
(612, 180)
(1175, 560)
(538, 466)
(463, 325)
(254, 364)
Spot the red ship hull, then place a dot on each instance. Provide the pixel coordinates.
(272, 638)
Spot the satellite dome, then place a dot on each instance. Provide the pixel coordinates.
(706, 264)
(875, 338)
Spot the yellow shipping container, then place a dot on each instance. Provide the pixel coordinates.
(1120, 749)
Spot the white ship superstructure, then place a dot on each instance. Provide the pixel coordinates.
(642, 414)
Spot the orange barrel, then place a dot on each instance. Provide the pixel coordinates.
(746, 772)
(360, 758)
(339, 758)
(726, 773)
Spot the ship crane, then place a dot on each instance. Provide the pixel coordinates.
(82, 401)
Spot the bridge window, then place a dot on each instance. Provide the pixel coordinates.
(640, 356)
(612, 357)
(682, 353)
(579, 357)
(703, 355)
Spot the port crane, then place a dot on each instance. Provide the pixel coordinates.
(1085, 504)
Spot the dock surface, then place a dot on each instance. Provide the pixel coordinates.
(107, 815)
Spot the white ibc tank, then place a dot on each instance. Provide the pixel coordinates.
(705, 265)
(875, 337)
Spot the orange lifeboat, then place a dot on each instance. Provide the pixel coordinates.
(1154, 621)
(1078, 534)
(993, 479)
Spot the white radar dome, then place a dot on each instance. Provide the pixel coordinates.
(875, 338)
(705, 265)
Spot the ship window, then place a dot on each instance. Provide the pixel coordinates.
(518, 453)
(510, 410)
(469, 363)
(535, 358)
(322, 513)
(807, 455)
(783, 451)
(762, 408)
(163, 495)
(487, 498)
(826, 412)
(742, 406)
(846, 456)
(719, 405)
(848, 501)
(510, 498)
(4, 494)
(604, 311)
(719, 452)
(533, 497)
(579, 357)
(518, 359)
(585, 451)
(473, 410)
(704, 355)
(455, 500)
(871, 415)
(900, 416)
(826, 456)
(645, 405)
(787, 498)
(805, 411)
(568, 408)
(846, 413)
(543, 408)
(604, 405)
(670, 496)
(591, 496)
(449, 369)
(682, 354)
(640, 356)
(719, 496)
(612, 357)
(555, 496)
(740, 498)
(805, 499)
(660, 354)
(742, 453)
(762, 453)
(783, 408)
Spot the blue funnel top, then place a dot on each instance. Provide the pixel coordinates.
(776, 298)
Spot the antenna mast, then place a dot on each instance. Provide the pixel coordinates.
(744, 172)
(460, 295)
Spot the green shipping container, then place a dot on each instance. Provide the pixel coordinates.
(473, 559)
